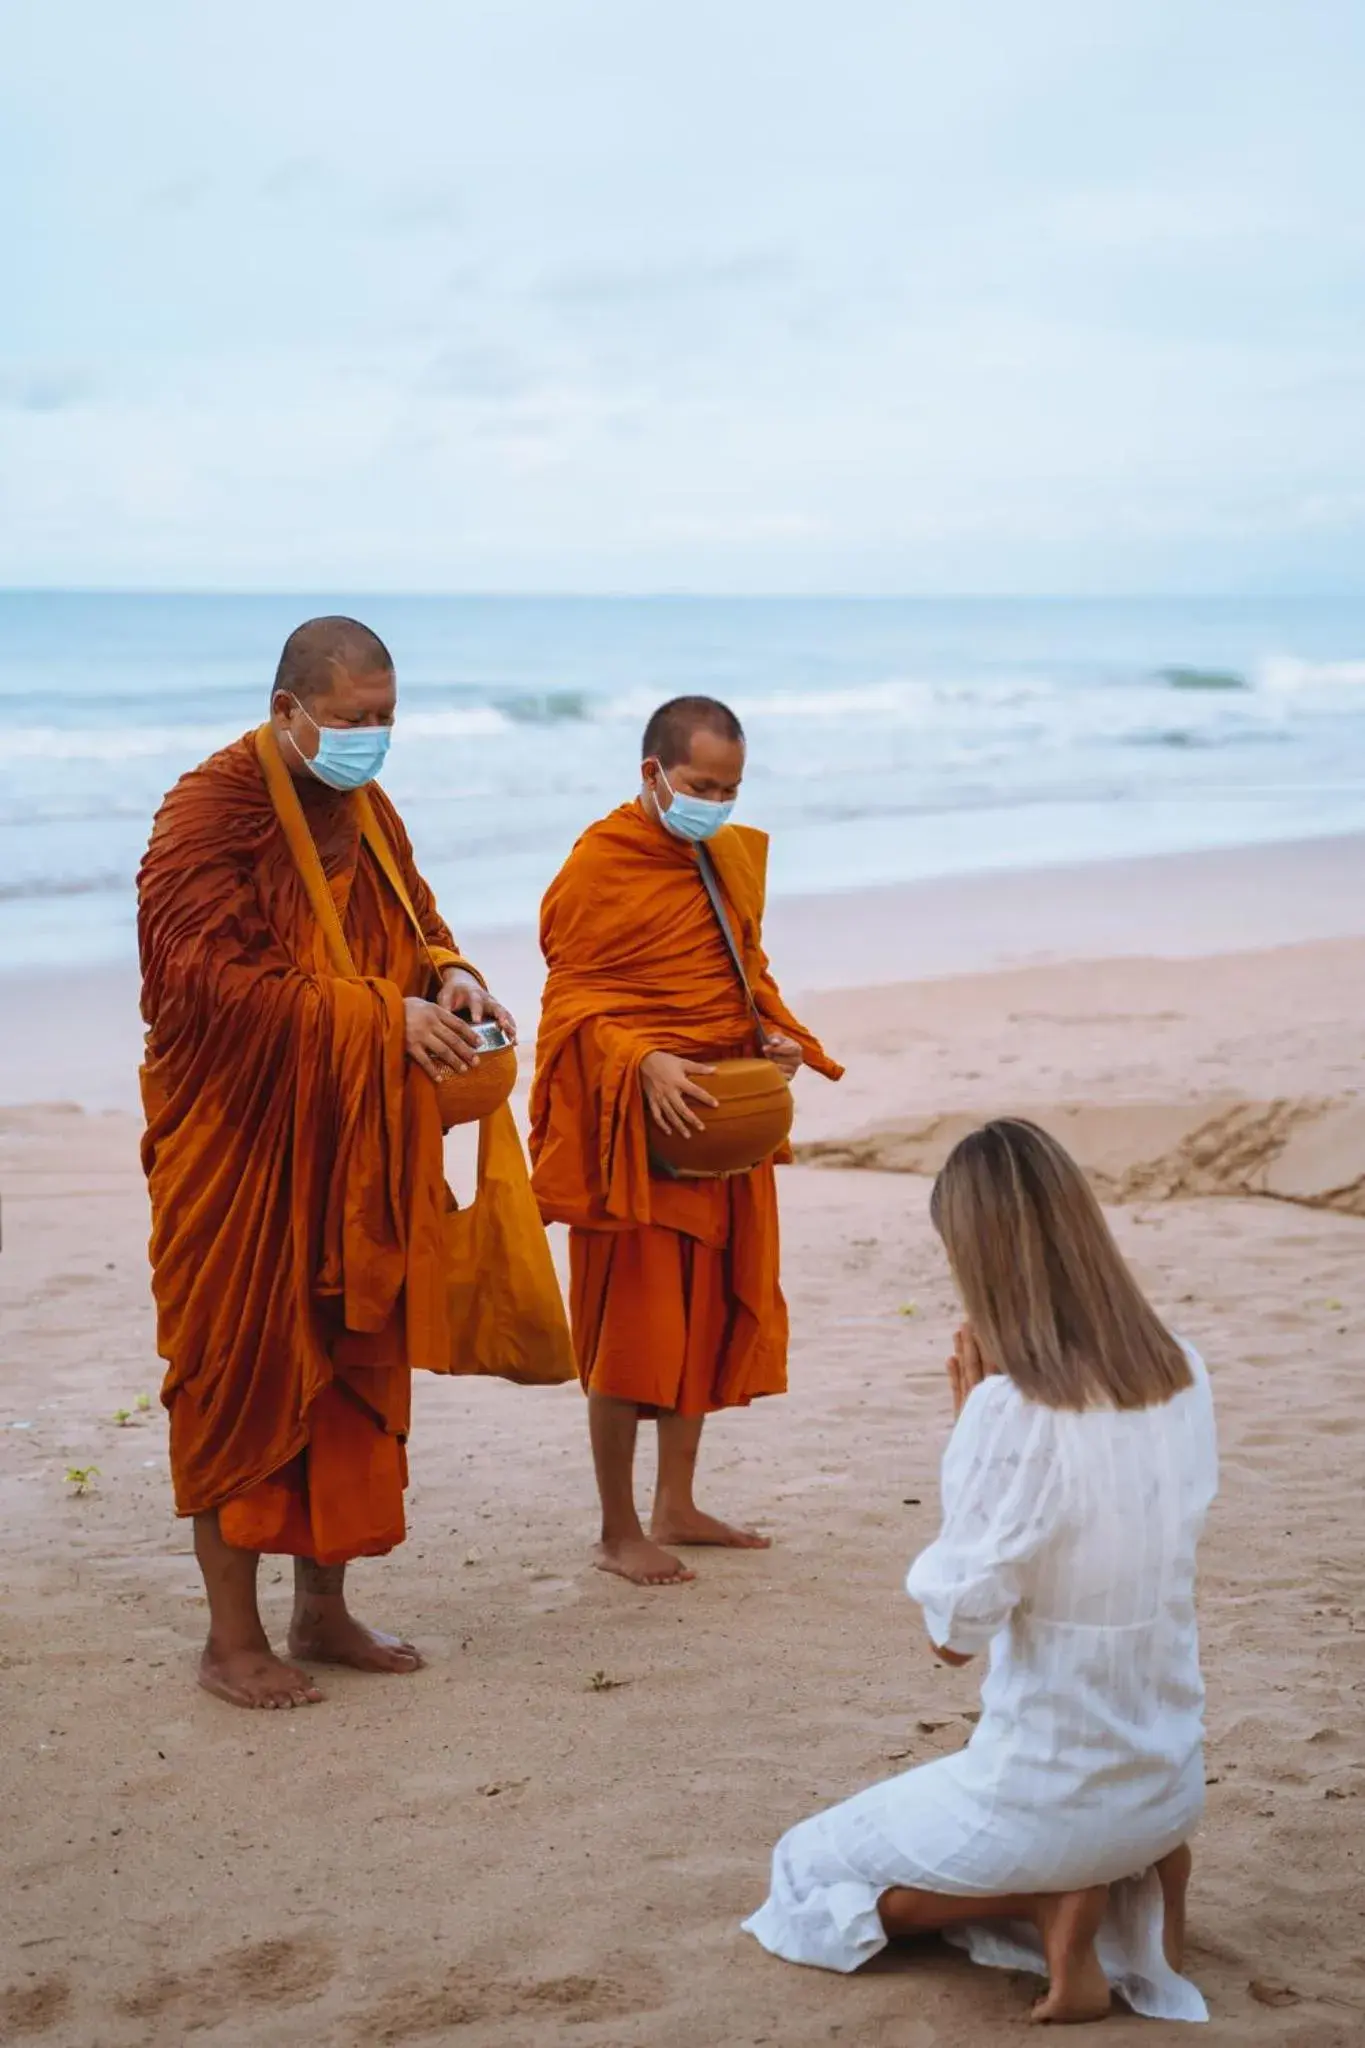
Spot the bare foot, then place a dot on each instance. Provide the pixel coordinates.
(690, 1525)
(1078, 1989)
(642, 1562)
(255, 1678)
(1174, 1872)
(328, 1633)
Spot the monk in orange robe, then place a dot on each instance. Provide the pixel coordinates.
(675, 1300)
(302, 1230)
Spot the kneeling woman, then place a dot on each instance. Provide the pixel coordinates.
(1075, 1486)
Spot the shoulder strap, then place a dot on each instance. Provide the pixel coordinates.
(712, 887)
(283, 795)
(289, 811)
(377, 841)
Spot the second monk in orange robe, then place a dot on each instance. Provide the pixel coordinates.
(675, 1299)
(301, 994)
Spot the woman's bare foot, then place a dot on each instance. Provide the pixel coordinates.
(1078, 1989)
(326, 1634)
(690, 1525)
(254, 1678)
(1174, 1872)
(642, 1562)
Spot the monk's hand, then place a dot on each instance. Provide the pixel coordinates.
(437, 1042)
(462, 993)
(785, 1054)
(671, 1087)
(966, 1368)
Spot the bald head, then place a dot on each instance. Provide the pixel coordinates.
(693, 747)
(322, 652)
(333, 673)
(674, 726)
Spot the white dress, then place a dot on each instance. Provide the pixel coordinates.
(1068, 1547)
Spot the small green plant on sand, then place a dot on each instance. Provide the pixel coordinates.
(602, 1681)
(78, 1477)
(123, 1416)
(143, 1404)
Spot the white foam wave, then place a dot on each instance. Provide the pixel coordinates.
(1286, 675)
(893, 700)
(469, 722)
(116, 742)
(190, 743)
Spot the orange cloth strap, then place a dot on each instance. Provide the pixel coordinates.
(440, 961)
(393, 875)
(376, 839)
(289, 811)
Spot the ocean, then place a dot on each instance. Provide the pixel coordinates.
(889, 739)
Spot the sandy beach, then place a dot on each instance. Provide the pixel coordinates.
(551, 1834)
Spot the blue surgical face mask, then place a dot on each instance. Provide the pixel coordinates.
(348, 756)
(691, 817)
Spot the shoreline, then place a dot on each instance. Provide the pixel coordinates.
(74, 1035)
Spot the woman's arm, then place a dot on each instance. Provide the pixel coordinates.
(1002, 1499)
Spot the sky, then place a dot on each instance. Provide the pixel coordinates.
(736, 295)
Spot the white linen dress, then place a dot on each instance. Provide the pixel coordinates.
(1068, 1547)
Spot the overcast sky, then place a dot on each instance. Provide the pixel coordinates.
(712, 294)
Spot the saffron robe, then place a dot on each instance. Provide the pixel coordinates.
(306, 1251)
(675, 1300)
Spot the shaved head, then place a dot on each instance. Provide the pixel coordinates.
(321, 651)
(674, 726)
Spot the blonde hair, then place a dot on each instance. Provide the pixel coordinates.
(1046, 1289)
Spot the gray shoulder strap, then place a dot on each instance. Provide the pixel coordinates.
(712, 886)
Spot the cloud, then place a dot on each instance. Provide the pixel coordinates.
(418, 211)
(1119, 221)
(477, 369)
(630, 297)
(180, 194)
(54, 387)
(720, 525)
(295, 176)
(609, 285)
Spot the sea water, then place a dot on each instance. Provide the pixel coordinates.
(888, 739)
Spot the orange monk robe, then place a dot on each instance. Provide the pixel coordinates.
(301, 1223)
(674, 1298)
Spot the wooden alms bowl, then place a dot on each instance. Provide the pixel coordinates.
(752, 1120)
(470, 1096)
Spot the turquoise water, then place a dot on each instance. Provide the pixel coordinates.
(889, 739)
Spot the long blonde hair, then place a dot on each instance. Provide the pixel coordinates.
(1046, 1289)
